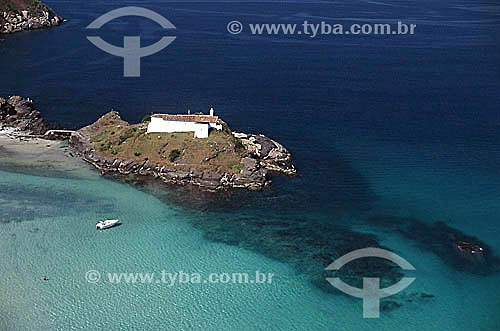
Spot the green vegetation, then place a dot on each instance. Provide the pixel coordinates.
(174, 155)
(236, 167)
(117, 139)
(127, 134)
(239, 144)
(105, 146)
(100, 137)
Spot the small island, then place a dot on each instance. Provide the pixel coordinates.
(181, 149)
(22, 15)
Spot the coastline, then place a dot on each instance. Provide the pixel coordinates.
(258, 156)
(37, 156)
(31, 16)
(13, 141)
(262, 157)
(395, 138)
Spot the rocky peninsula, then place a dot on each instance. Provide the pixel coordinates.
(20, 114)
(22, 15)
(224, 160)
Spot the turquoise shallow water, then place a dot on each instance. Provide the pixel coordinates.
(47, 228)
(154, 237)
(390, 134)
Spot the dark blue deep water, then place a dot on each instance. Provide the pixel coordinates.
(390, 134)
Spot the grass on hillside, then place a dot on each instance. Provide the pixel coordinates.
(119, 140)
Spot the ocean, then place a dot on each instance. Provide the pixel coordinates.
(395, 139)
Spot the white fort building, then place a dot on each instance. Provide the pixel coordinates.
(199, 124)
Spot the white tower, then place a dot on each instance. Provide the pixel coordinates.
(211, 111)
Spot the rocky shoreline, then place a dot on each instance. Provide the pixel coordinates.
(39, 17)
(262, 156)
(20, 114)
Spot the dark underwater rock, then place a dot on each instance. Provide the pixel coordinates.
(441, 239)
(388, 305)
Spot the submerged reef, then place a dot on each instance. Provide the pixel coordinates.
(442, 240)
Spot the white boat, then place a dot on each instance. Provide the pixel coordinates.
(106, 224)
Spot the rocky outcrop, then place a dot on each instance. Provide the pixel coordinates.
(267, 154)
(263, 156)
(260, 156)
(20, 114)
(21, 16)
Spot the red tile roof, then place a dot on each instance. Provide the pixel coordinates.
(188, 118)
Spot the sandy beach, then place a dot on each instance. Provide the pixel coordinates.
(38, 156)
